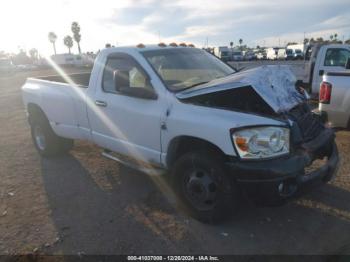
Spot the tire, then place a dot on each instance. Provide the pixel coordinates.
(203, 187)
(46, 142)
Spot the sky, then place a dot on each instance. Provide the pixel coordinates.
(25, 24)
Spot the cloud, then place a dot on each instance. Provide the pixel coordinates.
(125, 22)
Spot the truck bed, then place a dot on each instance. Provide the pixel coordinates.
(80, 79)
(63, 99)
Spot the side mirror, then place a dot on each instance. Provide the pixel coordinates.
(347, 65)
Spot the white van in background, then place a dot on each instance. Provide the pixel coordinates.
(272, 53)
(222, 52)
(281, 54)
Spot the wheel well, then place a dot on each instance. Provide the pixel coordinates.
(184, 144)
(34, 112)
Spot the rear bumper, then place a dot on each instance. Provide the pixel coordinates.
(284, 178)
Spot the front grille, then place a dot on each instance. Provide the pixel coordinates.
(309, 124)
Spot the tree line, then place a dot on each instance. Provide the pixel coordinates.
(333, 39)
(67, 40)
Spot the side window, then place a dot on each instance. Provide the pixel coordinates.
(127, 74)
(336, 57)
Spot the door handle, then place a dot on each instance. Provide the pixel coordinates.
(321, 72)
(100, 103)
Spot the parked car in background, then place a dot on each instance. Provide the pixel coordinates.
(298, 54)
(73, 60)
(27, 67)
(261, 55)
(7, 67)
(324, 59)
(272, 53)
(289, 54)
(237, 56)
(223, 53)
(181, 111)
(300, 47)
(249, 56)
(334, 97)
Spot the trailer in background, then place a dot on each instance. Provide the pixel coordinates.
(223, 53)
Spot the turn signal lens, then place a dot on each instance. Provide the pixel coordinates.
(241, 142)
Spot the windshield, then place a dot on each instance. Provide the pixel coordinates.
(182, 68)
(289, 51)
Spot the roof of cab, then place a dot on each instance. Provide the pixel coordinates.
(135, 49)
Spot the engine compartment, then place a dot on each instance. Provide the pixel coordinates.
(244, 99)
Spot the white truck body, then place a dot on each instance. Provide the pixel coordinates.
(212, 128)
(338, 108)
(324, 59)
(72, 112)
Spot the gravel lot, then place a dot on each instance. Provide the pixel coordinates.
(85, 204)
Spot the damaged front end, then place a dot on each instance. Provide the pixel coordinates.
(271, 92)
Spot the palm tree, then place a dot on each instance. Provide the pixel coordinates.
(52, 38)
(33, 54)
(231, 45)
(331, 37)
(240, 41)
(319, 40)
(76, 34)
(335, 36)
(68, 42)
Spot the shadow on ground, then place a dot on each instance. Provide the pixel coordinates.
(127, 213)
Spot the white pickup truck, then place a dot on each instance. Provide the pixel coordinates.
(334, 102)
(323, 59)
(180, 109)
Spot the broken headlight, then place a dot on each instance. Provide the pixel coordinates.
(261, 142)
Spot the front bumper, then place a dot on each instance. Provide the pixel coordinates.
(286, 177)
(323, 116)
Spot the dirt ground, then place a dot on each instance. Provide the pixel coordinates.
(84, 204)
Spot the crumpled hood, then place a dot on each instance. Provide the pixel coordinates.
(274, 83)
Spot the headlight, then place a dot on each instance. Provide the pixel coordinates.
(261, 142)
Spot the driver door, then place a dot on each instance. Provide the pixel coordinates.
(123, 123)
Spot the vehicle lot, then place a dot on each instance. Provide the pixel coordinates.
(85, 204)
(297, 66)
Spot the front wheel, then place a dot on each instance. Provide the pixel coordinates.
(46, 141)
(203, 186)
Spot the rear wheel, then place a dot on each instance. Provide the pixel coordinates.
(46, 141)
(202, 185)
